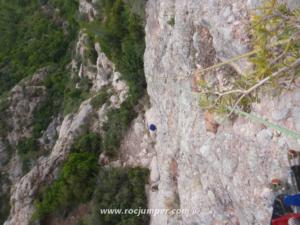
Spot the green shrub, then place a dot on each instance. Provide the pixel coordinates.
(120, 32)
(4, 199)
(116, 127)
(90, 142)
(73, 96)
(28, 150)
(4, 207)
(75, 185)
(120, 188)
(171, 21)
(91, 53)
(4, 126)
(100, 99)
(137, 7)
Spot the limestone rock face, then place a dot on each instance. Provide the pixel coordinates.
(23, 99)
(25, 190)
(20, 105)
(224, 176)
(86, 8)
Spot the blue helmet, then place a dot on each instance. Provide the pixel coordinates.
(152, 127)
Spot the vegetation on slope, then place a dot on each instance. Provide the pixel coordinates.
(38, 34)
(34, 35)
(119, 28)
(119, 188)
(75, 184)
(78, 183)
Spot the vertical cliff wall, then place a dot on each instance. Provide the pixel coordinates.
(224, 175)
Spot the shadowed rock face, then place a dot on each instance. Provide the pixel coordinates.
(224, 175)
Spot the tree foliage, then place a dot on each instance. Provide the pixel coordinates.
(120, 189)
(32, 36)
(74, 185)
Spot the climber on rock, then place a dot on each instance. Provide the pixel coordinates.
(152, 127)
(152, 130)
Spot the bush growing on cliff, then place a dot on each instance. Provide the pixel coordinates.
(90, 142)
(4, 200)
(120, 189)
(28, 150)
(74, 185)
(75, 92)
(275, 57)
(4, 126)
(76, 180)
(91, 53)
(101, 98)
(116, 126)
(4, 207)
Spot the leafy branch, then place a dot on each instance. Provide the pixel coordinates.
(274, 24)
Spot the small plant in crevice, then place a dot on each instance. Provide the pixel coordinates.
(171, 21)
(275, 57)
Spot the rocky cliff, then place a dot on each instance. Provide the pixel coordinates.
(225, 175)
(221, 174)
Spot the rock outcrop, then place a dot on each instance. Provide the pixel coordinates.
(23, 99)
(25, 190)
